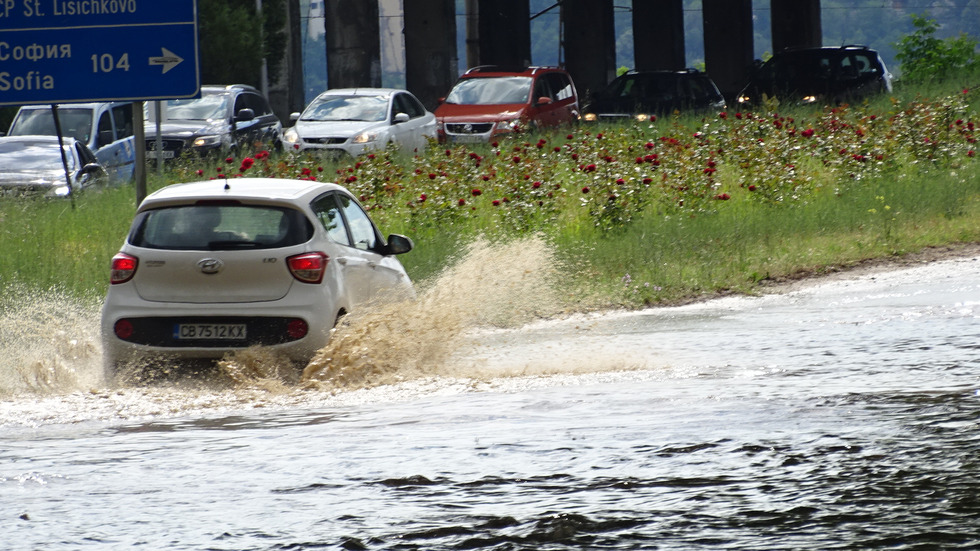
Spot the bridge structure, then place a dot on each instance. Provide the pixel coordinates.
(498, 33)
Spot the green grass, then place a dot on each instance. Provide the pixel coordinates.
(643, 214)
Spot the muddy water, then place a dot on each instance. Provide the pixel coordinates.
(844, 415)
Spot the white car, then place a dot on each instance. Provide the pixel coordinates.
(356, 121)
(214, 267)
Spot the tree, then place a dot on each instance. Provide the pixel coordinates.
(230, 37)
(925, 57)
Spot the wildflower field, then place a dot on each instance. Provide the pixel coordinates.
(634, 214)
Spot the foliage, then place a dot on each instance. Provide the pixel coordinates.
(229, 51)
(680, 205)
(925, 57)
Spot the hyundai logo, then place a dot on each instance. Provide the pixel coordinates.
(210, 265)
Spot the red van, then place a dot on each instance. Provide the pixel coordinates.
(488, 101)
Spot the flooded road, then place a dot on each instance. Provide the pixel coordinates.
(842, 415)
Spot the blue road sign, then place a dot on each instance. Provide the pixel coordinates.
(63, 51)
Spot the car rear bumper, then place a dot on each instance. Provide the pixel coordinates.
(155, 326)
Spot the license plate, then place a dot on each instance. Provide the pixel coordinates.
(464, 138)
(210, 331)
(153, 154)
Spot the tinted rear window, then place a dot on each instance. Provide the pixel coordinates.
(220, 227)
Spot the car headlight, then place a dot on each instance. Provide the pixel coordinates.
(290, 136)
(642, 117)
(590, 117)
(365, 137)
(744, 99)
(509, 125)
(809, 99)
(207, 141)
(60, 190)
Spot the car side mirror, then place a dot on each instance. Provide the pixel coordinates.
(245, 115)
(293, 117)
(399, 244)
(401, 117)
(105, 138)
(544, 100)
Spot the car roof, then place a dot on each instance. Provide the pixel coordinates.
(361, 91)
(83, 105)
(227, 88)
(500, 70)
(802, 50)
(39, 139)
(272, 190)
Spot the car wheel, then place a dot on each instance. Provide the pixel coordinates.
(340, 317)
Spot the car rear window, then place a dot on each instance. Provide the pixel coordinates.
(220, 227)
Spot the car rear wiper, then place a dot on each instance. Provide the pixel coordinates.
(232, 244)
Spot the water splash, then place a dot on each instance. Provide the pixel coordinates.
(499, 285)
(50, 342)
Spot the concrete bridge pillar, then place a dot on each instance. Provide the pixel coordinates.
(353, 43)
(590, 43)
(502, 35)
(728, 47)
(658, 35)
(795, 23)
(431, 59)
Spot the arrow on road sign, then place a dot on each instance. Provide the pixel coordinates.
(168, 60)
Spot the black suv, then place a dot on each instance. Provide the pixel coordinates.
(830, 75)
(642, 94)
(225, 119)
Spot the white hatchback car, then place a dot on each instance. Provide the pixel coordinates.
(214, 267)
(356, 121)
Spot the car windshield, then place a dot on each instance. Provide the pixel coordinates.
(221, 227)
(18, 156)
(75, 122)
(649, 87)
(204, 108)
(347, 108)
(490, 91)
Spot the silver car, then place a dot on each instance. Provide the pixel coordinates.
(35, 166)
(355, 121)
(214, 267)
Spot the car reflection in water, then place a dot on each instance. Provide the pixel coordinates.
(33, 165)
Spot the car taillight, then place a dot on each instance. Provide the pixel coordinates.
(124, 329)
(123, 268)
(308, 267)
(297, 329)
